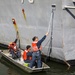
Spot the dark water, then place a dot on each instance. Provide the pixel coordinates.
(7, 68)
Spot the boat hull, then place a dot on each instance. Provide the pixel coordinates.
(20, 63)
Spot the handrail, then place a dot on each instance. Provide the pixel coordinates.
(68, 7)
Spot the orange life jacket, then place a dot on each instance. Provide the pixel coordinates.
(34, 47)
(12, 46)
(25, 57)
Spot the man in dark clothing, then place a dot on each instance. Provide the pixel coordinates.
(36, 46)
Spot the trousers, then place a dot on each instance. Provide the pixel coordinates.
(36, 56)
(15, 55)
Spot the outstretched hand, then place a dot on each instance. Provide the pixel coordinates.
(47, 33)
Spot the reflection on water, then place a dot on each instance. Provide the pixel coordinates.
(10, 71)
(7, 68)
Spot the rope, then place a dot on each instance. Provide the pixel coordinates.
(49, 23)
(50, 40)
(51, 37)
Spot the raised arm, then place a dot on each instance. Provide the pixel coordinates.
(41, 40)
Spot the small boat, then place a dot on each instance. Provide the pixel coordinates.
(21, 64)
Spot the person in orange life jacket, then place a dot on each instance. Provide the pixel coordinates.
(36, 55)
(12, 46)
(13, 49)
(27, 54)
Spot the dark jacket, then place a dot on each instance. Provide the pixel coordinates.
(40, 41)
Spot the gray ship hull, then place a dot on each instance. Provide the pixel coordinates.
(35, 21)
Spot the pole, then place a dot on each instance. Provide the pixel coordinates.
(51, 37)
(50, 45)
